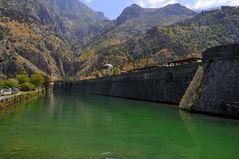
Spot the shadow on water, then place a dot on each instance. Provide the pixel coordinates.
(72, 126)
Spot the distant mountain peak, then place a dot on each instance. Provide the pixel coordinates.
(178, 8)
(176, 4)
(135, 11)
(101, 16)
(135, 6)
(73, 8)
(130, 12)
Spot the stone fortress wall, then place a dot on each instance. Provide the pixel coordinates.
(211, 87)
(166, 84)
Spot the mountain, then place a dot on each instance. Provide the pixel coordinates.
(31, 10)
(30, 37)
(77, 17)
(167, 14)
(69, 17)
(37, 34)
(132, 12)
(65, 38)
(136, 20)
(133, 21)
(169, 42)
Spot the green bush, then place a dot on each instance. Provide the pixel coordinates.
(27, 87)
(116, 71)
(97, 74)
(22, 78)
(37, 79)
(2, 83)
(11, 83)
(47, 81)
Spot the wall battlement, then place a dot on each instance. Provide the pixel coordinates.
(221, 52)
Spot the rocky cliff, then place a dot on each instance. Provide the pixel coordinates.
(31, 37)
(38, 35)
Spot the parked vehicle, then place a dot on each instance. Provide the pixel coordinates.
(7, 91)
(15, 90)
(1, 91)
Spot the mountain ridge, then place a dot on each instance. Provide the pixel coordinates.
(51, 37)
(171, 42)
(136, 20)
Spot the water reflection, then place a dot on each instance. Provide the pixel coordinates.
(70, 125)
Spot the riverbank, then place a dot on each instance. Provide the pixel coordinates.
(6, 101)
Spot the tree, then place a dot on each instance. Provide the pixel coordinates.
(27, 86)
(2, 83)
(37, 79)
(47, 81)
(11, 83)
(22, 78)
(23, 71)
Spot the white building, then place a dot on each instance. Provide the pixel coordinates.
(107, 69)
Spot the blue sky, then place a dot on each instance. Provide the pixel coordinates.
(113, 8)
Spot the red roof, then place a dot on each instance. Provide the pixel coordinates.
(86, 77)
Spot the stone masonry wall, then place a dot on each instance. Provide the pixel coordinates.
(166, 84)
(215, 87)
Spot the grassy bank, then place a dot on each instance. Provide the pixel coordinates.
(20, 97)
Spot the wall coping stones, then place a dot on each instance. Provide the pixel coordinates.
(221, 53)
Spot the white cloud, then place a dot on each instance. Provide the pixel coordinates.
(170, 2)
(88, 1)
(205, 4)
(155, 3)
(189, 6)
(198, 4)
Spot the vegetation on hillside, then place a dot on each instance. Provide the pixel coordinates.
(165, 43)
(65, 38)
(24, 81)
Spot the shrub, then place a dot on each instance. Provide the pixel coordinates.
(47, 81)
(22, 78)
(116, 71)
(2, 83)
(27, 87)
(37, 79)
(11, 83)
(97, 74)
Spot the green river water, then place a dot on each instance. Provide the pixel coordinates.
(76, 126)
